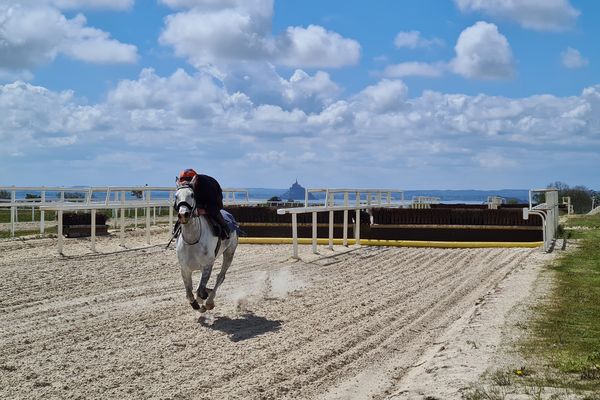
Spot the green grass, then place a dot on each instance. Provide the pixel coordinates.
(48, 231)
(566, 331)
(586, 221)
(25, 215)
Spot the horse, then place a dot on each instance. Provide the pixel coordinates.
(198, 247)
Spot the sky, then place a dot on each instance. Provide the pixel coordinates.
(395, 94)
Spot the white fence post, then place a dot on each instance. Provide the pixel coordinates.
(314, 232)
(345, 233)
(93, 217)
(331, 230)
(60, 231)
(357, 220)
(13, 197)
(148, 225)
(43, 214)
(171, 210)
(123, 219)
(295, 235)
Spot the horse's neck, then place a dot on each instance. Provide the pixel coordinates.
(192, 231)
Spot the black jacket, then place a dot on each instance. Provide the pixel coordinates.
(209, 194)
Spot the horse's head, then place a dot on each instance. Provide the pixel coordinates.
(185, 203)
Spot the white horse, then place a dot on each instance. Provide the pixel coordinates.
(198, 248)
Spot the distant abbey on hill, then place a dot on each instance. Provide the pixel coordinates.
(296, 192)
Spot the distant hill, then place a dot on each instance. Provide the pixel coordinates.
(296, 192)
(470, 196)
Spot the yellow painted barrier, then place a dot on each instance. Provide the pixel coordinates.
(396, 243)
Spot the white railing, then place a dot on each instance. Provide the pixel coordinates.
(548, 212)
(493, 202)
(566, 200)
(424, 201)
(229, 196)
(93, 207)
(331, 208)
(114, 196)
(372, 196)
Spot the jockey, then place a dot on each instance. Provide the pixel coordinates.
(209, 196)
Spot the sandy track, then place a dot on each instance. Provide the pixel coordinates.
(345, 324)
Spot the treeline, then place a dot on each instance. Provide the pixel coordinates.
(583, 199)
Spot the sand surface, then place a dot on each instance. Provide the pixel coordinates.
(355, 323)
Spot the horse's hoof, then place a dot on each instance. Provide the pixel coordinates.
(195, 305)
(204, 294)
(202, 309)
(209, 306)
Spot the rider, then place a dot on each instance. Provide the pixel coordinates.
(209, 195)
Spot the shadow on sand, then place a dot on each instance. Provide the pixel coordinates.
(244, 327)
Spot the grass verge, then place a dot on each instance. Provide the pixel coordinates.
(49, 231)
(565, 340)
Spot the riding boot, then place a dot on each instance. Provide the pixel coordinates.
(223, 225)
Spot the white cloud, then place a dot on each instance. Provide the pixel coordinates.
(483, 53)
(414, 68)
(303, 89)
(374, 133)
(491, 160)
(81, 4)
(212, 33)
(386, 95)
(315, 47)
(223, 35)
(413, 40)
(36, 35)
(540, 15)
(572, 58)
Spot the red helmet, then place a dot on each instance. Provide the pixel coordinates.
(186, 175)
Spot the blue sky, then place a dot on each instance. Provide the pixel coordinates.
(427, 94)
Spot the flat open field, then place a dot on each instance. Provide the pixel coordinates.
(351, 323)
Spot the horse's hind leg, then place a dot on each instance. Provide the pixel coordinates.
(186, 274)
(227, 259)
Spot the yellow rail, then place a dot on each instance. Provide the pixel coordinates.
(397, 243)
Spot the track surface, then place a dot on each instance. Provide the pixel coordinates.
(117, 325)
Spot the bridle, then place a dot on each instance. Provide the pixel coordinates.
(176, 205)
(193, 213)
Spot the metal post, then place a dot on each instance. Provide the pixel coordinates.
(115, 212)
(170, 210)
(60, 231)
(331, 230)
(357, 220)
(122, 218)
(314, 232)
(93, 229)
(295, 235)
(148, 225)
(13, 197)
(42, 214)
(345, 233)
